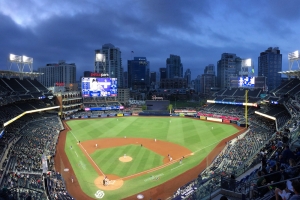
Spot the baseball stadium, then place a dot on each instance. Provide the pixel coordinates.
(73, 145)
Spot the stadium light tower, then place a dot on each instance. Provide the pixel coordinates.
(27, 61)
(15, 59)
(246, 65)
(21, 62)
(294, 56)
(100, 58)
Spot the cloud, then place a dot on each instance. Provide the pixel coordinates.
(198, 31)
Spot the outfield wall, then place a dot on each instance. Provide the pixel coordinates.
(224, 120)
(158, 114)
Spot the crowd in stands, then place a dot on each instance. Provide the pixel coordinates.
(227, 110)
(263, 150)
(21, 176)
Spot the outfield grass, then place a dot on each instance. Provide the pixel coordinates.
(196, 135)
(144, 159)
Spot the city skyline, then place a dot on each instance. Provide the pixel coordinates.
(198, 32)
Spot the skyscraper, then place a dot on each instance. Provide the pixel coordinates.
(174, 67)
(269, 64)
(197, 84)
(152, 77)
(153, 81)
(208, 79)
(188, 76)
(163, 73)
(60, 73)
(228, 66)
(138, 73)
(108, 61)
(125, 79)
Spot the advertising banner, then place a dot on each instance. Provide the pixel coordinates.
(227, 121)
(203, 117)
(120, 115)
(104, 108)
(214, 119)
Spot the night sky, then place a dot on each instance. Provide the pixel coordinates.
(198, 31)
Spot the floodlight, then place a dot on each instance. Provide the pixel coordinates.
(12, 57)
(15, 58)
(26, 59)
(100, 57)
(247, 62)
(294, 55)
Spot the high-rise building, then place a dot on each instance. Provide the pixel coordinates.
(197, 84)
(269, 64)
(125, 79)
(138, 73)
(174, 67)
(153, 81)
(163, 73)
(228, 66)
(58, 74)
(210, 69)
(208, 79)
(173, 83)
(188, 76)
(108, 61)
(152, 77)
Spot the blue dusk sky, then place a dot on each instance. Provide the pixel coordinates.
(198, 31)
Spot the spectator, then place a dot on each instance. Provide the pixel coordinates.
(296, 190)
(286, 155)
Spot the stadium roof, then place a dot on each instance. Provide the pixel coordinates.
(291, 73)
(7, 73)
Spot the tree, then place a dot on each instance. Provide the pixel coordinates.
(144, 107)
(170, 107)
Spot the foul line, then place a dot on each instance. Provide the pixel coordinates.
(176, 167)
(86, 153)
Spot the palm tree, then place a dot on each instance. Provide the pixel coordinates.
(170, 107)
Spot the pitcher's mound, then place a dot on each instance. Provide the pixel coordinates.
(113, 182)
(125, 159)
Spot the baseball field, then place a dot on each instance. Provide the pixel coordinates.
(115, 158)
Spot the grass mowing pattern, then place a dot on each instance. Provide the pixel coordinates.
(143, 159)
(196, 135)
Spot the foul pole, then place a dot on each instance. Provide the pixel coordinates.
(246, 107)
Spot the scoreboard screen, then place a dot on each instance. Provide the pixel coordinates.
(99, 87)
(248, 82)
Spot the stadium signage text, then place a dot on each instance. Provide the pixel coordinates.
(96, 74)
(59, 84)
